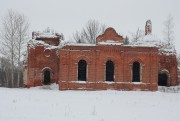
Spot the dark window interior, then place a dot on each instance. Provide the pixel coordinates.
(82, 65)
(136, 72)
(109, 71)
(162, 79)
(47, 78)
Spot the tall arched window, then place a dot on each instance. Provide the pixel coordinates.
(109, 71)
(47, 77)
(136, 70)
(82, 67)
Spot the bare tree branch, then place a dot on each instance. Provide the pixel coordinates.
(90, 32)
(13, 35)
(168, 30)
(137, 35)
(22, 36)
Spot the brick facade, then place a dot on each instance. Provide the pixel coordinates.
(96, 58)
(168, 65)
(39, 60)
(62, 63)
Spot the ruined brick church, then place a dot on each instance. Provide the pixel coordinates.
(107, 64)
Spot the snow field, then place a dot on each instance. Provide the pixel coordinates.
(49, 104)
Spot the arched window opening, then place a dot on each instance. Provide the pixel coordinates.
(136, 72)
(82, 68)
(109, 71)
(162, 79)
(47, 77)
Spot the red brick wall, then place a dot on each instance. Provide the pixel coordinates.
(96, 58)
(110, 34)
(39, 59)
(169, 64)
(64, 67)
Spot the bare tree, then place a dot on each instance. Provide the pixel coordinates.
(13, 35)
(126, 40)
(168, 30)
(137, 35)
(5, 72)
(90, 32)
(8, 35)
(78, 37)
(22, 37)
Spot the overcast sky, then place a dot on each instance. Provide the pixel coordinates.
(67, 16)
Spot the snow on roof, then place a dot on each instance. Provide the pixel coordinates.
(110, 42)
(48, 33)
(149, 38)
(80, 44)
(167, 49)
(147, 41)
(33, 43)
(152, 41)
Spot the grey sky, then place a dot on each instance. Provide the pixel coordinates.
(67, 16)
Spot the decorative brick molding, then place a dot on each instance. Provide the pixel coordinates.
(110, 34)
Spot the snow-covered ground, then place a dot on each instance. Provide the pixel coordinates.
(48, 104)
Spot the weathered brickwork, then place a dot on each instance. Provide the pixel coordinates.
(168, 65)
(96, 58)
(39, 60)
(62, 65)
(110, 34)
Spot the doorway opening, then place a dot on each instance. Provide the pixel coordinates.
(47, 77)
(162, 79)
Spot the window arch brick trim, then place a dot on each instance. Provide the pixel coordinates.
(82, 57)
(76, 61)
(136, 60)
(46, 68)
(115, 65)
(110, 59)
(141, 68)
